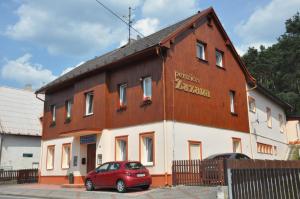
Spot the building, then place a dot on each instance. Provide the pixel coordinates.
(179, 93)
(293, 128)
(20, 129)
(267, 122)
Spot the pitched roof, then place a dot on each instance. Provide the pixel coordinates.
(117, 54)
(20, 112)
(159, 38)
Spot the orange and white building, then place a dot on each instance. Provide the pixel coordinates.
(180, 93)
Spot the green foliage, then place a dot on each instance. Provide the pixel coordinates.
(277, 68)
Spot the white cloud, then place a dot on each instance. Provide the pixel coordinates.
(24, 72)
(83, 27)
(147, 26)
(266, 23)
(169, 11)
(68, 69)
(69, 27)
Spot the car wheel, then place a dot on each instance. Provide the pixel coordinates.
(145, 187)
(89, 185)
(121, 188)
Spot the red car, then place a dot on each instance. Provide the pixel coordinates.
(120, 175)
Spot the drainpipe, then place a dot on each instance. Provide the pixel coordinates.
(159, 51)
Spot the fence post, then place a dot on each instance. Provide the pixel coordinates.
(229, 182)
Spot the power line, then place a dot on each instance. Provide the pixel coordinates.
(116, 15)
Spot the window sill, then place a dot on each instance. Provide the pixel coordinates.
(146, 102)
(202, 60)
(221, 67)
(122, 108)
(88, 115)
(68, 120)
(234, 114)
(65, 168)
(148, 164)
(252, 111)
(53, 124)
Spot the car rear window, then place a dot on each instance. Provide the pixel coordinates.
(134, 166)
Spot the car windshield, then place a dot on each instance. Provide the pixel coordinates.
(134, 165)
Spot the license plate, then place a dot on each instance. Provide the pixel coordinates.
(140, 175)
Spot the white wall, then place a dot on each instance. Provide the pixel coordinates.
(13, 147)
(261, 132)
(214, 140)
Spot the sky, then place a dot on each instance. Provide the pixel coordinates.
(41, 39)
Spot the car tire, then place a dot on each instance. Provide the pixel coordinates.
(89, 185)
(146, 187)
(121, 187)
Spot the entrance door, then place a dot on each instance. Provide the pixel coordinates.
(91, 157)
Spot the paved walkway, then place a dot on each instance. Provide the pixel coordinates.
(56, 192)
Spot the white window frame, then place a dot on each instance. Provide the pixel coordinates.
(195, 144)
(88, 104)
(281, 123)
(53, 112)
(252, 104)
(147, 88)
(220, 54)
(68, 108)
(123, 94)
(237, 148)
(200, 47)
(232, 101)
(66, 158)
(121, 150)
(50, 162)
(269, 117)
(145, 152)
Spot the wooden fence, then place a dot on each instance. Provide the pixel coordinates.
(263, 179)
(19, 176)
(197, 172)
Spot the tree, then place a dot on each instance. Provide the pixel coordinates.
(277, 67)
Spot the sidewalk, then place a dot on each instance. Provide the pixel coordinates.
(56, 192)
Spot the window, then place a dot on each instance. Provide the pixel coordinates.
(68, 108)
(114, 166)
(89, 103)
(103, 167)
(219, 58)
(66, 156)
(232, 101)
(50, 158)
(147, 88)
(265, 148)
(200, 50)
(53, 112)
(237, 145)
(27, 155)
(275, 150)
(269, 117)
(281, 123)
(252, 105)
(147, 149)
(195, 150)
(122, 90)
(121, 148)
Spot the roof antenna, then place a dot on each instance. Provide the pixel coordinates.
(129, 23)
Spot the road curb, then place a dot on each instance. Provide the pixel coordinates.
(31, 196)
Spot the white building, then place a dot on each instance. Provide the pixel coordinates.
(20, 129)
(267, 122)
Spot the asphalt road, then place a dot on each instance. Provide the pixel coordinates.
(13, 197)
